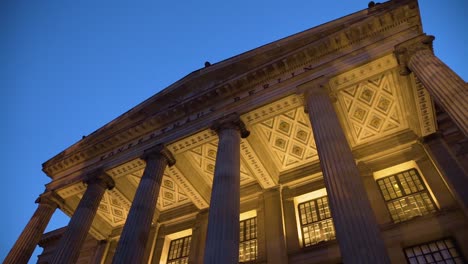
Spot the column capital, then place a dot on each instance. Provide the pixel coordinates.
(101, 178)
(50, 198)
(318, 86)
(232, 121)
(405, 50)
(159, 150)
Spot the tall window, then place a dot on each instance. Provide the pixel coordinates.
(406, 195)
(441, 251)
(248, 240)
(179, 250)
(316, 221)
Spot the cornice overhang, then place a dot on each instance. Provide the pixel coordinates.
(262, 67)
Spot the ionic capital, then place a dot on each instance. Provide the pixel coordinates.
(159, 150)
(231, 121)
(50, 198)
(101, 178)
(404, 51)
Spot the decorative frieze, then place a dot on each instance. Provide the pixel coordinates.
(251, 160)
(425, 107)
(298, 61)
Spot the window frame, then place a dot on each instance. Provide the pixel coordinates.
(186, 240)
(243, 237)
(404, 194)
(319, 220)
(431, 253)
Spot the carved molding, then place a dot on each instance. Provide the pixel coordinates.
(251, 160)
(425, 107)
(404, 51)
(72, 190)
(126, 168)
(289, 65)
(266, 112)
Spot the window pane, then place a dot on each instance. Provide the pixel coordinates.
(442, 251)
(179, 250)
(316, 222)
(248, 239)
(406, 195)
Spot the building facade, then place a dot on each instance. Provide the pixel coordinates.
(345, 143)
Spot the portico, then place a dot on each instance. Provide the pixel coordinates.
(258, 161)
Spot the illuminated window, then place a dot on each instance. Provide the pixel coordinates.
(441, 251)
(179, 250)
(248, 239)
(406, 195)
(316, 221)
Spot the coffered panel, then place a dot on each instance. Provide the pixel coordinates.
(289, 139)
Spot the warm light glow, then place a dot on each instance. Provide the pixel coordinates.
(303, 198)
(396, 169)
(402, 167)
(247, 215)
(167, 243)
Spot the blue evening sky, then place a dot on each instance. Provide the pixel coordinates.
(69, 67)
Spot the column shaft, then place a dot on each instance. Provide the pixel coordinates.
(134, 238)
(24, 247)
(274, 235)
(357, 231)
(452, 172)
(448, 89)
(69, 246)
(222, 240)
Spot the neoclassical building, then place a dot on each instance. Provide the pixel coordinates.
(345, 143)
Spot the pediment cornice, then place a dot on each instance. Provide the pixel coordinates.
(188, 98)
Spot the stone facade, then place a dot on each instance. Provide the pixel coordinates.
(343, 143)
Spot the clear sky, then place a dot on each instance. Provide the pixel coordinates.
(69, 67)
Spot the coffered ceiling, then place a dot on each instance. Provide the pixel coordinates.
(371, 106)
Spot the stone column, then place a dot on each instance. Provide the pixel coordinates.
(69, 246)
(24, 247)
(357, 231)
(452, 172)
(448, 89)
(222, 241)
(134, 237)
(275, 239)
(198, 238)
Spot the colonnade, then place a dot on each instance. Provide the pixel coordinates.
(357, 231)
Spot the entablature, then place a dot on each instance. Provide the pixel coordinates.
(337, 43)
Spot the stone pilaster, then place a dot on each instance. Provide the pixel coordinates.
(356, 228)
(27, 241)
(198, 238)
(448, 89)
(133, 241)
(292, 237)
(275, 239)
(70, 244)
(222, 241)
(452, 172)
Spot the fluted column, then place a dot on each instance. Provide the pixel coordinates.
(448, 89)
(70, 244)
(133, 241)
(26, 243)
(222, 241)
(357, 230)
